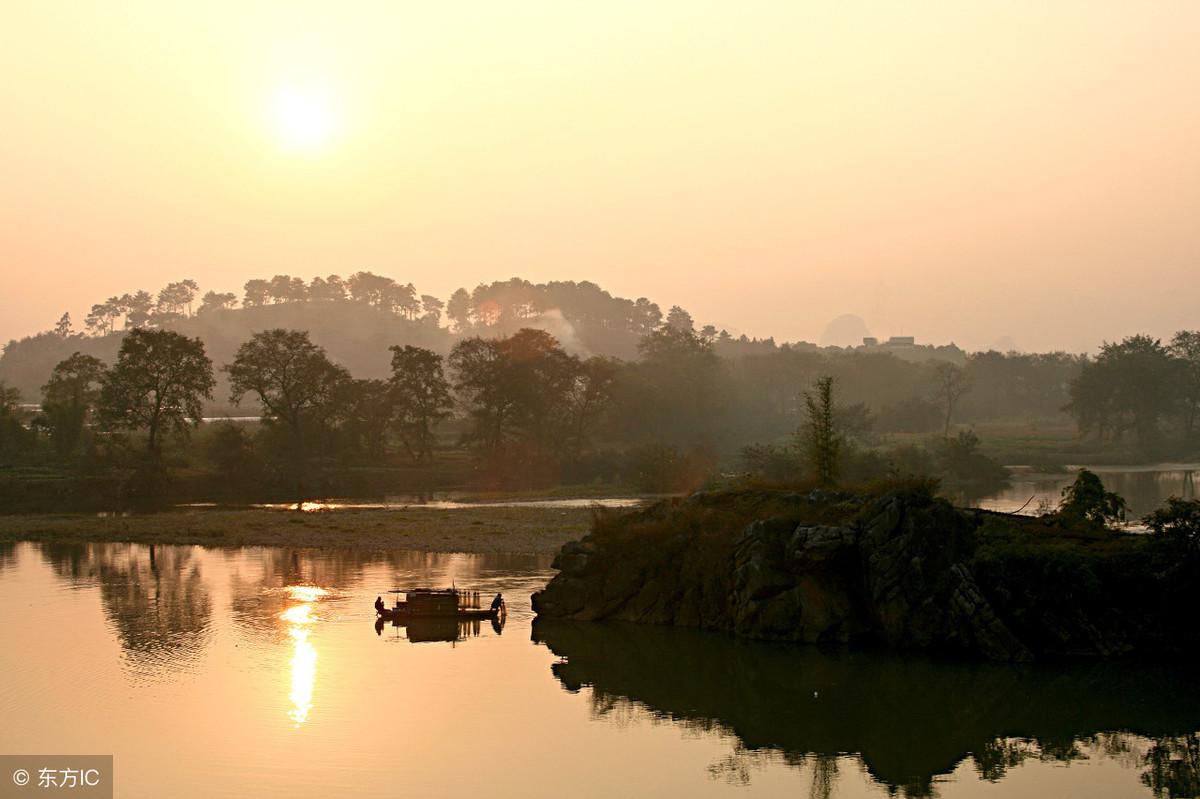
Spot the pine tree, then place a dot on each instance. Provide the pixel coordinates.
(819, 441)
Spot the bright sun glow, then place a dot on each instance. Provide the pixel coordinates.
(304, 118)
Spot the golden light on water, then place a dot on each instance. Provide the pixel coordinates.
(304, 654)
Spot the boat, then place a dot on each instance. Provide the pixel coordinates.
(446, 603)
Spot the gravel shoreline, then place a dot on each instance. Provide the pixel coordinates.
(523, 530)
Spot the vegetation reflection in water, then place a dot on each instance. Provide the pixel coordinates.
(912, 721)
(823, 722)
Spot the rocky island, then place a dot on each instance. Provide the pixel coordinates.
(896, 567)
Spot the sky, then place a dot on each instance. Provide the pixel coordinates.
(952, 171)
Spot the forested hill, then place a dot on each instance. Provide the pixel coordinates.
(357, 318)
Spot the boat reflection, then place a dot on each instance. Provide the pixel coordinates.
(419, 630)
(911, 720)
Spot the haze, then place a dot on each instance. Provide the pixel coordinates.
(957, 172)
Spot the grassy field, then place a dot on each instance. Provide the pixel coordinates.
(485, 530)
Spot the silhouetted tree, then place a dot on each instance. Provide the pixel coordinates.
(422, 398)
(1087, 500)
(101, 320)
(818, 438)
(175, 299)
(139, 306)
(1130, 385)
(158, 383)
(69, 398)
(1179, 519)
(294, 380)
(589, 398)
(431, 308)
(366, 411)
(679, 319)
(63, 328)
(1185, 348)
(517, 389)
(675, 393)
(459, 310)
(214, 301)
(328, 289)
(14, 438)
(255, 293)
(285, 288)
(949, 384)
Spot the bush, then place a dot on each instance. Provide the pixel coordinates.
(1086, 499)
(1178, 520)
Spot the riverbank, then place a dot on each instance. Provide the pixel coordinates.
(523, 530)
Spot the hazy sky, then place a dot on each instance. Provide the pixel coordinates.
(953, 171)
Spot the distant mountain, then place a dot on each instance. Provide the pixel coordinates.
(846, 330)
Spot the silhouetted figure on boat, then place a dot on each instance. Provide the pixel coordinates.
(379, 606)
(498, 603)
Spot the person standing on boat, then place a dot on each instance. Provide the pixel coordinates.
(379, 606)
(497, 603)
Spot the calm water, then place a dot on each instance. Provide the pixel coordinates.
(1145, 488)
(261, 672)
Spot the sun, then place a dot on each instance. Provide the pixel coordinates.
(304, 118)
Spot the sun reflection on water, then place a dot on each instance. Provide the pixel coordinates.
(304, 656)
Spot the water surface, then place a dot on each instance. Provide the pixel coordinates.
(261, 672)
(1145, 488)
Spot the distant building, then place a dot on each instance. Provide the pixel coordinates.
(902, 341)
(870, 341)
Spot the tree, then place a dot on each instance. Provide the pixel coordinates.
(422, 398)
(1087, 500)
(329, 289)
(175, 299)
(300, 390)
(645, 317)
(255, 293)
(589, 397)
(517, 390)
(459, 310)
(69, 398)
(63, 328)
(367, 409)
(818, 438)
(138, 308)
(285, 288)
(1130, 385)
(679, 319)
(372, 289)
(676, 393)
(213, 301)
(1179, 520)
(432, 308)
(403, 300)
(158, 383)
(14, 438)
(950, 383)
(102, 318)
(1185, 348)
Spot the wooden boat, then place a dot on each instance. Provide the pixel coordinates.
(447, 603)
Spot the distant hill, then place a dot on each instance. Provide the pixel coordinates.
(357, 331)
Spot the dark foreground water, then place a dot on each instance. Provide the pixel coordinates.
(261, 672)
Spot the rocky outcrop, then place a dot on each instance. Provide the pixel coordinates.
(897, 570)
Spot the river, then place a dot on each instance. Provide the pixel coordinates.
(1145, 488)
(261, 672)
